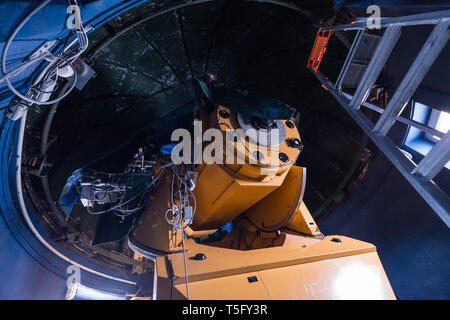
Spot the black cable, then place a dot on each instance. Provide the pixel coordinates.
(4, 108)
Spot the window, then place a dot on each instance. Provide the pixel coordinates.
(440, 120)
(443, 124)
(419, 142)
(86, 293)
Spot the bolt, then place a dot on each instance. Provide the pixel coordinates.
(283, 157)
(199, 256)
(224, 114)
(290, 124)
(295, 143)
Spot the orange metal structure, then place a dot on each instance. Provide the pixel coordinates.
(224, 191)
(275, 249)
(318, 50)
(302, 268)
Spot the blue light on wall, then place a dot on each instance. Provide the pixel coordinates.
(86, 293)
(416, 140)
(28, 270)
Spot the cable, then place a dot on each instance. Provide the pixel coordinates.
(65, 94)
(83, 44)
(27, 217)
(19, 147)
(9, 41)
(4, 108)
(19, 69)
(185, 266)
(117, 208)
(178, 220)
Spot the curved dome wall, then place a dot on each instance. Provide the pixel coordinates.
(144, 60)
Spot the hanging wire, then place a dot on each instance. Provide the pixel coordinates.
(56, 62)
(185, 266)
(178, 219)
(119, 209)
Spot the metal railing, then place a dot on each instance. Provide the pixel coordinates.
(420, 176)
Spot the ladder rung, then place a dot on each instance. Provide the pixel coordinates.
(406, 121)
(427, 55)
(382, 52)
(420, 176)
(435, 160)
(349, 58)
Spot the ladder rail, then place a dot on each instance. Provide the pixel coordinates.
(435, 160)
(411, 20)
(381, 54)
(348, 59)
(420, 175)
(418, 70)
(427, 189)
(406, 121)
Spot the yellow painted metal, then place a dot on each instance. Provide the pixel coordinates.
(357, 277)
(244, 163)
(279, 207)
(234, 287)
(275, 250)
(221, 196)
(152, 230)
(303, 268)
(303, 223)
(137, 257)
(198, 234)
(223, 191)
(246, 236)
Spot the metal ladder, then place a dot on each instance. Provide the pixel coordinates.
(365, 74)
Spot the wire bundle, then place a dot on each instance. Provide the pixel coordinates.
(50, 75)
(125, 206)
(179, 219)
(184, 195)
